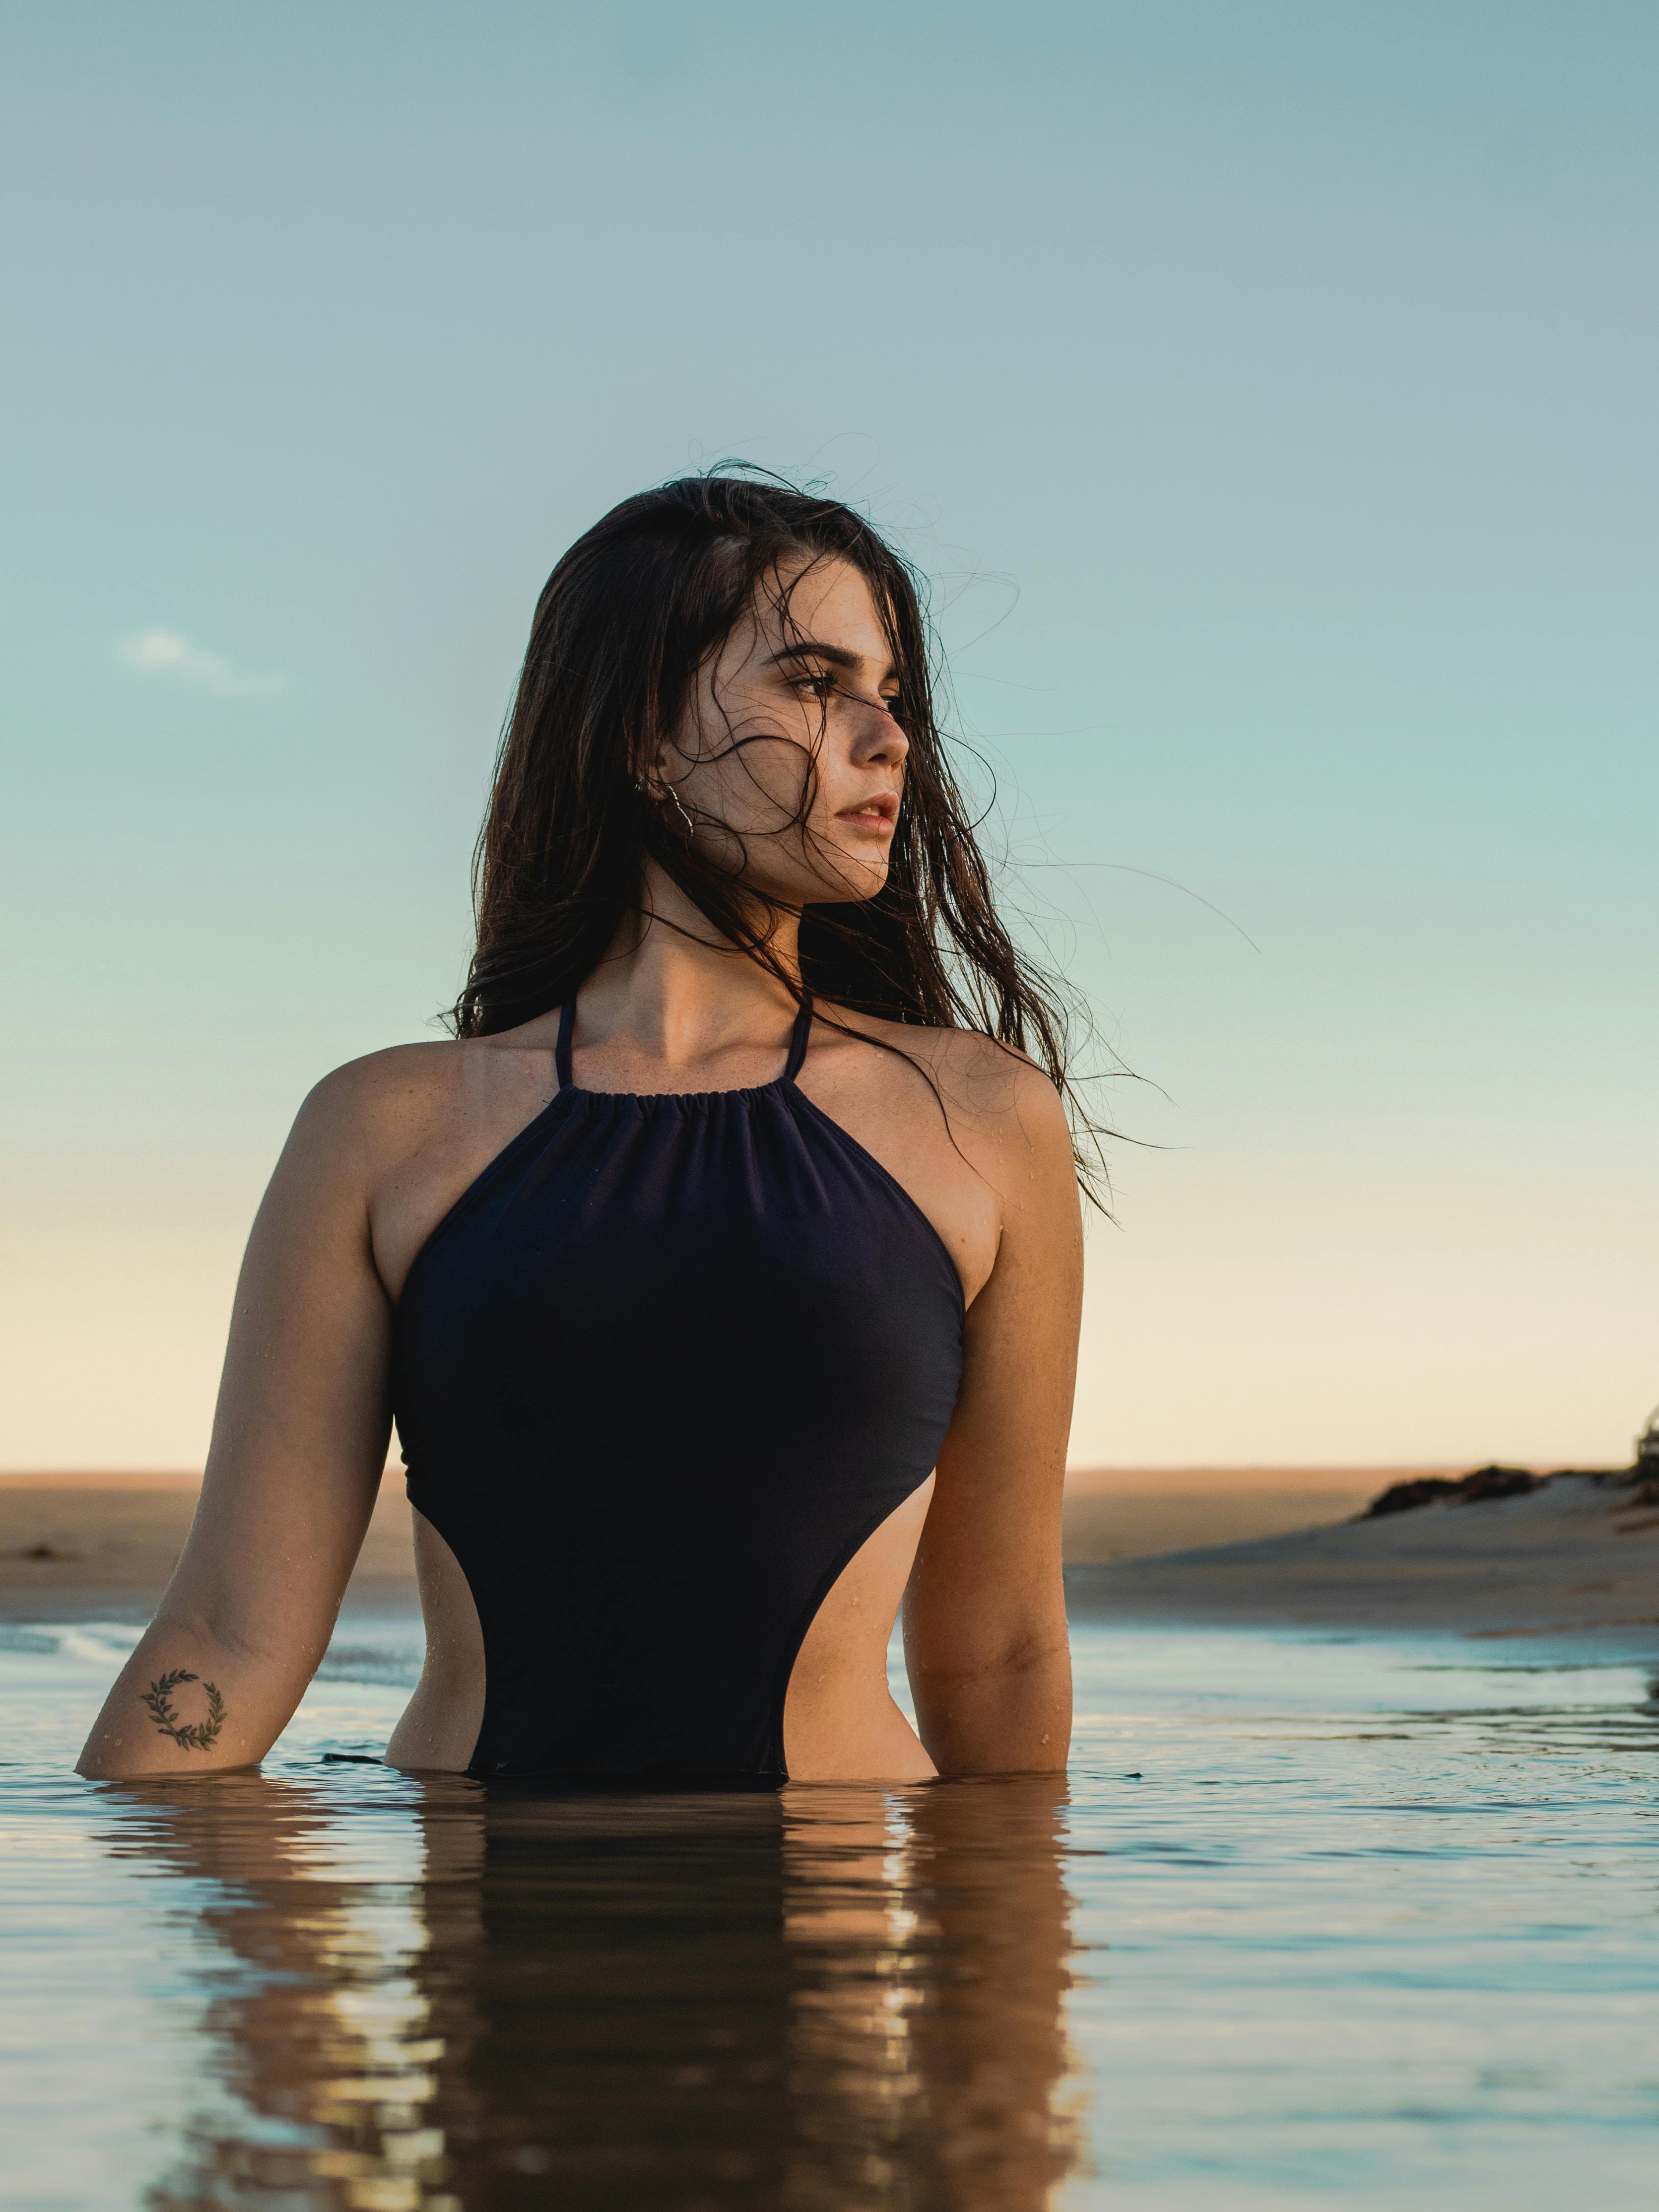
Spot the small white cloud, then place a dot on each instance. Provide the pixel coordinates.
(164, 652)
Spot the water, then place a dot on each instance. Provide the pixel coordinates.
(1318, 1922)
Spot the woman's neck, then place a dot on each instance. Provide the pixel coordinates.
(676, 992)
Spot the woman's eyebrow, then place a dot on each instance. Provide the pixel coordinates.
(812, 649)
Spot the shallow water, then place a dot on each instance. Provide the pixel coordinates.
(1318, 1922)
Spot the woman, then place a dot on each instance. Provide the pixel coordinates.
(722, 1276)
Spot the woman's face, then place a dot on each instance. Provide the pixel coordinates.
(795, 703)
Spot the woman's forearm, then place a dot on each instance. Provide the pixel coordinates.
(1012, 1718)
(189, 1702)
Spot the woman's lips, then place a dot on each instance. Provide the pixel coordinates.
(874, 816)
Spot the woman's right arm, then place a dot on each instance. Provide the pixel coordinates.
(299, 1444)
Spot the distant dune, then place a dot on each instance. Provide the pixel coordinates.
(103, 1531)
(1124, 1513)
(109, 1531)
(1249, 1543)
(1580, 1552)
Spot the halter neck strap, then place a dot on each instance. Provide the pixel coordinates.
(561, 1050)
(797, 1038)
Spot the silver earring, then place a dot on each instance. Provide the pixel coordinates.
(690, 826)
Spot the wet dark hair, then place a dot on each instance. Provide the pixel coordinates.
(628, 618)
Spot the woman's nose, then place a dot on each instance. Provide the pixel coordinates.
(880, 736)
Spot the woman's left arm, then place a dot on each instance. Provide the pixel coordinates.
(298, 1443)
(985, 1613)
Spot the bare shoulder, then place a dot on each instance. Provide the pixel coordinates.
(387, 1096)
(992, 1092)
(373, 1118)
(396, 1136)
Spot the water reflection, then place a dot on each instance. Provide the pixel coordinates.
(830, 1997)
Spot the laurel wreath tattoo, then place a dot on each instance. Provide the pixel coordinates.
(189, 1735)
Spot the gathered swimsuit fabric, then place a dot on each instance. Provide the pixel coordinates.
(657, 1376)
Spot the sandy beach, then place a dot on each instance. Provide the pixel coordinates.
(105, 1531)
(1256, 1544)
(101, 1531)
(1580, 1552)
(1128, 1513)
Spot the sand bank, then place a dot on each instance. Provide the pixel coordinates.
(1125, 1513)
(104, 1531)
(1277, 1545)
(101, 1531)
(1579, 1552)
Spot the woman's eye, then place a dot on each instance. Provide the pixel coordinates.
(817, 687)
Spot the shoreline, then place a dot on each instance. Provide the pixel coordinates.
(1580, 1552)
(1266, 1547)
(1115, 1514)
(90, 1528)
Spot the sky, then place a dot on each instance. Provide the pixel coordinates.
(1266, 391)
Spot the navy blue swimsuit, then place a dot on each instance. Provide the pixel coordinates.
(658, 1374)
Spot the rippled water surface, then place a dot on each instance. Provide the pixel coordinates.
(1317, 1922)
